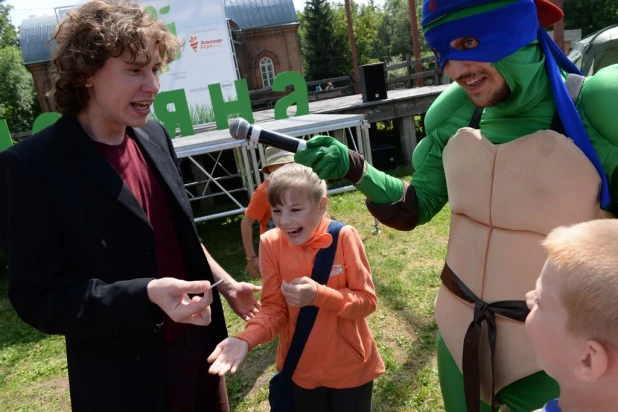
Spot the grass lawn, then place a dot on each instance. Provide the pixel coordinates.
(406, 268)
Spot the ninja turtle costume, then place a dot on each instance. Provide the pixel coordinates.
(510, 175)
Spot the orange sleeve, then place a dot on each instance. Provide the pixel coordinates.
(273, 315)
(359, 299)
(258, 205)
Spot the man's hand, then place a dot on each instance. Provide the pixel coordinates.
(227, 356)
(328, 157)
(172, 296)
(331, 159)
(241, 298)
(253, 268)
(299, 292)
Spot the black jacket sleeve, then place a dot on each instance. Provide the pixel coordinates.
(46, 289)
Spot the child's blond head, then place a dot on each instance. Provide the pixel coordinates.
(297, 183)
(586, 258)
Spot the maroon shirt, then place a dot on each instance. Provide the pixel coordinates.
(148, 188)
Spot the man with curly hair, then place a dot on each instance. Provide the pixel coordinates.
(99, 233)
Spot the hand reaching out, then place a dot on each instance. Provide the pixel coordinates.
(299, 292)
(172, 296)
(227, 356)
(241, 298)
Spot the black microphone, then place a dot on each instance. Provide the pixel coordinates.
(240, 129)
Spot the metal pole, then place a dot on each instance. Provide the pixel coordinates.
(559, 28)
(353, 44)
(415, 40)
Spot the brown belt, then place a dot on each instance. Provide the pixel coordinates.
(512, 309)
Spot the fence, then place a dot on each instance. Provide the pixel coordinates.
(345, 85)
(430, 77)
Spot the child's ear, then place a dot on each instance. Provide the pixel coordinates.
(593, 363)
(323, 203)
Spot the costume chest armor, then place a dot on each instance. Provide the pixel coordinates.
(504, 200)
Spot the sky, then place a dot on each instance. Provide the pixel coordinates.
(22, 9)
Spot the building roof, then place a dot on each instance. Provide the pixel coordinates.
(247, 14)
(34, 34)
(252, 14)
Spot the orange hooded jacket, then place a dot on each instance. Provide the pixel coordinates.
(340, 352)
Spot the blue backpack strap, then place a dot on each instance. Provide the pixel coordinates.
(325, 257)
(306, 318)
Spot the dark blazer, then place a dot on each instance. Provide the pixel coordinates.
(81, 251)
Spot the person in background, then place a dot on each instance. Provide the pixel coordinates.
(573, 321)
(98, 231)
(258, 209)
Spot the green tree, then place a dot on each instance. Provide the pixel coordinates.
(18, 103)
(8, 35)
(366, 20)
(394, 33)
(322, 50)
(340, 32)
(590, 15)
(366, 23)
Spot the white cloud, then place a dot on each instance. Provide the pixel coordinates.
(23, 9)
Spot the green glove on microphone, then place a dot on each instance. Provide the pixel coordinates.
(331, 159)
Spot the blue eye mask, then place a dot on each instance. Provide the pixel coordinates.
(500, 33)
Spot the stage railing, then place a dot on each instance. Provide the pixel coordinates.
(350, 129)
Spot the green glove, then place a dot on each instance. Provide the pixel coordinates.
(331, 159)
(327, 157)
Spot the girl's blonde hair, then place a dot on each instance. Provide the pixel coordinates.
(298, 182)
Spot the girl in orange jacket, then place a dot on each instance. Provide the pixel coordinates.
(340, 359)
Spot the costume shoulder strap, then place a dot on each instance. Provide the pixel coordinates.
(573, 83)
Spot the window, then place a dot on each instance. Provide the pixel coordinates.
(268, 71)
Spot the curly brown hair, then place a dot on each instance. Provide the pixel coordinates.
(96, 31)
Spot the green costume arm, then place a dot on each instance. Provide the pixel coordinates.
(379, 187)
(597, 107)
(451, 111)
(428, 180)
(330, 159)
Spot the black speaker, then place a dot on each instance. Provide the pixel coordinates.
(373, 81)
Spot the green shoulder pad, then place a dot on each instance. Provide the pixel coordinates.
(422, 151)
(450, 101)
(598, 101)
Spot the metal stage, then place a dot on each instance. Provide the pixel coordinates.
(400, 106)
(351, 129)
